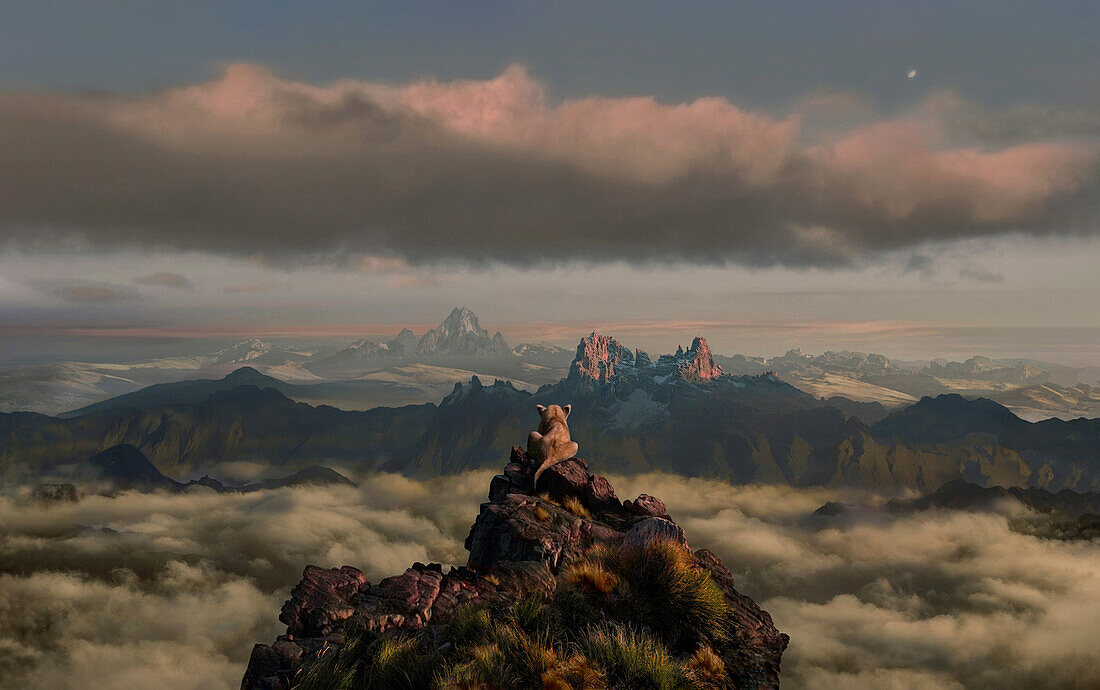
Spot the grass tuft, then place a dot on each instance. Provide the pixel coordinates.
(574, 506)
(667, 593)
(632, 659)
(541, 514)
(706, 669)
(471, 625)
(574, 612)
(576, 672)
(592, 576)
(395, 663)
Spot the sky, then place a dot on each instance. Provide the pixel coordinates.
(914, 178)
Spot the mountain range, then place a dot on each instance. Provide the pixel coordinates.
(410, 369)
(679, 413)
(125, 468)
(403, 370)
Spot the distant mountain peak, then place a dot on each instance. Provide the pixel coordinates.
(244, 372)
(984, 368)
(460, 321)
(125, 467)
(460, 334)
(251, 348)
(698, 362)
(605, 360)
(599, 357)
(946, 418)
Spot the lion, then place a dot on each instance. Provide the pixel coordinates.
(551, 443)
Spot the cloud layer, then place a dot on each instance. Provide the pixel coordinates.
(931, 600)
(253, 164)
(172, 591)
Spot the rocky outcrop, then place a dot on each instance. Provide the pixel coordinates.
(517, 544)
(600, 358)
(697, 364)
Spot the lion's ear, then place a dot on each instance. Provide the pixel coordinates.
(567, 409)
(540, 408)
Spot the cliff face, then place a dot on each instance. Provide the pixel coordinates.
(603, 361)
(521, 543)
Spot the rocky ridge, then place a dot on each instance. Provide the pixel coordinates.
(518, 544)
(603, 360)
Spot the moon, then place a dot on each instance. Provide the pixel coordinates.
(912, 74)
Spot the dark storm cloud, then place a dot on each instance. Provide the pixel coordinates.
(165, 279)
(251, 164)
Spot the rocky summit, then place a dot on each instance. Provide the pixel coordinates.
(460, 334)
(602, 361)
(584, 557)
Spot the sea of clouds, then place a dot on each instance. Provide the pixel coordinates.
(172, 591)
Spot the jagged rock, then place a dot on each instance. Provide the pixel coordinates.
(517, 545)
(599, 357)
(647, 505)
(510, 530)
(271, 667)
(321, 602)
(560, 481)
(567, 478)
(760, 646)
(698, 364)
(599, 494)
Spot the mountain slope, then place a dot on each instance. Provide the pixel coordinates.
(679, 414)
(180, 392)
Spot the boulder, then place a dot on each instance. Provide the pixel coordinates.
(566, 478)
(647, 506)
(321, 602)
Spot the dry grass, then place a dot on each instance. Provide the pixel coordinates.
(632, 659)
(670, 595)
(574, 506)
(541, 514)
(574, 672)
(706, 669)
(592, 576)
(493, 578)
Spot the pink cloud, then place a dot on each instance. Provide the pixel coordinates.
(632, 137)
(251, 163)
(893, 168)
